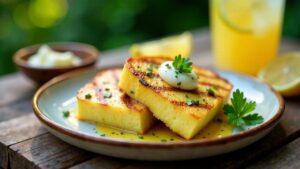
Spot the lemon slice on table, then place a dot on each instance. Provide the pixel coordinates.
(246, 15)
(283, 73)
(166, 47)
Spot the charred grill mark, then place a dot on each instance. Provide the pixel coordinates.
(201, 105)
(172, 89)
(128, 102)
(143, 82)
(141, 76)
(214, 85)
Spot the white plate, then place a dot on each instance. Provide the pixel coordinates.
(60, 94)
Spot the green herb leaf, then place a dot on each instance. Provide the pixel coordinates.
(183, 65)
(149, 71)
(66, 113)
(191, 102)
(253, 119)
(210, 91)
(168, 66)
(88, 96)
(238, 112)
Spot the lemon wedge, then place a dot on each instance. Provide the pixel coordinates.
(283, 73)
(246, 16)
(167, 47)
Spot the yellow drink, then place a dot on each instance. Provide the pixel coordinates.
(245, 33)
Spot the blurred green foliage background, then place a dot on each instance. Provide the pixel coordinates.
(105, 23)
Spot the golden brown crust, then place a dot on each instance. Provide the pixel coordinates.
(201, 72)
(97, 87)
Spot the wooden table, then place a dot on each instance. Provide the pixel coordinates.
(24, 143)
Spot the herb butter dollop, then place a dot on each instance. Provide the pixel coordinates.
(179, 73)
(46, 57)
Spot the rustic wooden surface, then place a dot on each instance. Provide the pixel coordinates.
(24, 143)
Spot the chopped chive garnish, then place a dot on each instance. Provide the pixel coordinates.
(107, 89)
(179, 83)
(103, 135)
(141, 137)
(163, 140)
(66, 113)
(210, 91)
(131, 91)
(88, 96)
(191, 102)
(149, 71)
(168, 66)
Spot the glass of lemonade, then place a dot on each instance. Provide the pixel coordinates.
(245, 33)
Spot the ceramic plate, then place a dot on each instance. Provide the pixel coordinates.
(60, 94)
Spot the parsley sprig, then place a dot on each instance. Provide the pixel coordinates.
(182, 65)
(239, 112)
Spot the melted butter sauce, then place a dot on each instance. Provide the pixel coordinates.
(217, 128)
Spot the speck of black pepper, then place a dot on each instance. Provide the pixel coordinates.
(219, 120)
